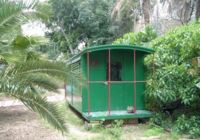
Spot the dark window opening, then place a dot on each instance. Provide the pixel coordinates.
(115, 71)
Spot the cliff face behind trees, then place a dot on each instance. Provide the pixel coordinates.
(167, 14)
(161, 14)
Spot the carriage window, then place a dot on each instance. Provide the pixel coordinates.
(115, 72)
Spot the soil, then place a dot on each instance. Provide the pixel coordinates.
(19, 123)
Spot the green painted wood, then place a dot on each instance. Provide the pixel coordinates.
(112, 47)
(98, 61)
(121, 94)
(101, 116)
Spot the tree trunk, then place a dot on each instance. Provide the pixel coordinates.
(197, 14)
(146, 11)
(186, 11)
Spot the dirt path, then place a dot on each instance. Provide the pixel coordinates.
(18, 123)
(52, 97)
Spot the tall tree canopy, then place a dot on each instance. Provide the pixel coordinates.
(77, 20)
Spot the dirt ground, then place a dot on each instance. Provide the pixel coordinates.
(19, 123)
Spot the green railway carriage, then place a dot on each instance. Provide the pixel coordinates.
(113, 82)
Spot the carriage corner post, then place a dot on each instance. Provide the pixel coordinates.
(134, 82)
(109, 62)
(88, 81)
(114, 85)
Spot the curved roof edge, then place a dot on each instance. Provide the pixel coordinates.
(114, 47)
(119, 46)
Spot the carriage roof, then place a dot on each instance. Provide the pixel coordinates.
(76, 57)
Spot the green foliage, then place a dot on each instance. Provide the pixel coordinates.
(77, 20)
(94, 21)
(128, 38)
(21, 48)
(162, 120)
(147, 35)
(188, 125)
(111, 131)
(139, 38)
(154, 131)
(12, 15)
(115, 129)
(26, 81)
(43, 11)
(22, 42)
(175, 78)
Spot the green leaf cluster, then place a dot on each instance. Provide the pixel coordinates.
(172, 88)
(76, 20)
(176, 76)
(188, 125)
(140, 38)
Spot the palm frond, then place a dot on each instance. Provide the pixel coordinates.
(44, 11)
(12, 14)
(38, 80)
(55, 69)
(48, 111)
(42, 74)
(13, 56)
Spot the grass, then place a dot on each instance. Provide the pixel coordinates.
(70, 116)
(112, 131)
(154, 131)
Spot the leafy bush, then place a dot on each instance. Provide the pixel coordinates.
(175, 76)
(173, 87)
(188, 125)
(139, 38)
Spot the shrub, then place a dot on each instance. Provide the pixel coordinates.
(188, 125)
(139, 38)
(176, 76)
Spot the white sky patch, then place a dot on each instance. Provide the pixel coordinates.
(34, 28)
(43, 0)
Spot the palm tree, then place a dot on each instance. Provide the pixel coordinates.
(25, 79)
